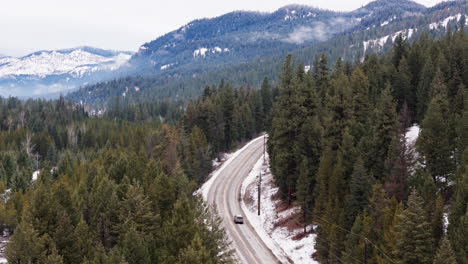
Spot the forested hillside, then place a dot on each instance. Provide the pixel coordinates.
(338, 149)
(119, 188)
(374, 29)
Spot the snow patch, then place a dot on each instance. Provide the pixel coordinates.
(202, 52)
(412, 134)
(278, 239)
(444, 23)
(35, 175)
(5, 196)
(164, 67)
(4, 239)
(380, 42)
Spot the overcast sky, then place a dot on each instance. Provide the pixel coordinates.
(30, 25)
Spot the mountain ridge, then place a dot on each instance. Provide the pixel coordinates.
(52, 71)
(372, 35)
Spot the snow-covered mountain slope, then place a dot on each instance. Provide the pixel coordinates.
(244, 47)
(77, 63)
(46, 72)
(241, 36)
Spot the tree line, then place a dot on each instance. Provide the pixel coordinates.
(338, 149)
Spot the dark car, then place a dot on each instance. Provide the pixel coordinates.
(238, 219)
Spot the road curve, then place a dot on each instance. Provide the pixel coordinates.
(224, 193)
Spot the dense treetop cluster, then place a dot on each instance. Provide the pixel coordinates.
(338, 149)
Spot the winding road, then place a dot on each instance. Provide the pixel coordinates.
(224, 193)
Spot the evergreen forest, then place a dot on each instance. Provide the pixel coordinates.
(119, 187)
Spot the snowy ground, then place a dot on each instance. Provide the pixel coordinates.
(412, 135)
(3, 242)
(280, 239)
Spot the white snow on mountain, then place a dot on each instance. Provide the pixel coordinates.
(388, 21)
(444, 23)
(202, 52)
(380, 42)
(77, 63)
(164, 67)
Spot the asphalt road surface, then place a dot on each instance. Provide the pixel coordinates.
(225, 195)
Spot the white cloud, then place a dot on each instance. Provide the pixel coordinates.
(303, 34)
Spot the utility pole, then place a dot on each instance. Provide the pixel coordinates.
(365, 251)
(259, 185)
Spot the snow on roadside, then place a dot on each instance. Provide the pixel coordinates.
(205, 188)
(3, 260)
(280, 240)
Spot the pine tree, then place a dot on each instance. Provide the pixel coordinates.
(84, 240)
(321, 74)
(361, 103)
(415, 242)
(458, 218)
(434, 143)
(181, 226)
(228, 108)
(267, 98)
(196, 253)
(303, 192)
(424, 88)
(445, 253)
(134, 247)
(354, 245)
(288, 118)
(384, 130)
(198, 156)
(437, 220)
(25, 245)
(390, 235)
(399, 50)
(376, 211)
(54, 257)
(137, 208)
(213, 235)
(360, 190)
(397, 168)
(324, 174)
(404, 92)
